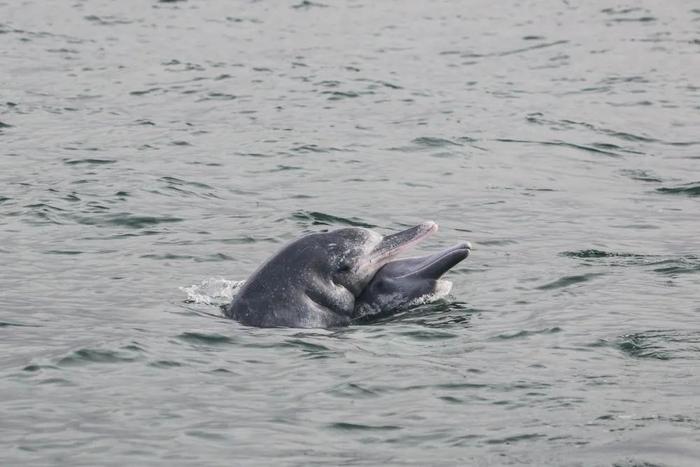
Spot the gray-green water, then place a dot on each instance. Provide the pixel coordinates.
(151, 153)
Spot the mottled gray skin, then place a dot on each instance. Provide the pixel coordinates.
(400, 283)
(313, 282)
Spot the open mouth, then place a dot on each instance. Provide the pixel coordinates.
(392, 245)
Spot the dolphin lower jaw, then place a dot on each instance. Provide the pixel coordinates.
(434, 266)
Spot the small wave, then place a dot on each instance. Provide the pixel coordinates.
(88, 355)
(127, 220)
(307, 4)
(212, 291)
(64, 252)
(498, 242)
(310, 349)
(204, 338)
(670, 266)
(526, 333)
(641, 19)
(568, 281)
(503, 53)
(106, 20)
(33, 368)
(641, 175)
(593, 253)
(436, 314)
(433, 142)
(8, 324)
(597, 148)
(43, 213)
(196, 259)
(165, 364)
(661, 344)
(278, 168)
(516, 438)
(179, 187)
(339, 95)
(218, 96)
(144, 91)
(244, 239)
(346, 426)
(689, 189)
(674, 266)
(320, 218)
(353, 391)
(314, 148)
(428, 334)
(377, 84)
(179, 182)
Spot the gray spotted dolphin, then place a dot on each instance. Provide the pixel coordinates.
(314, 281)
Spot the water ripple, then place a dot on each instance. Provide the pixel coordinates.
(89, 161)
(526, 333)
(689, 189)
(89, 355)
(206, 339)
(515, 438)
(346, 426)
(661, 344)
(147, 145)
(428, 335)
(434, 142)
(567, 281)
(593, 148)
(641, 175)
(679, 265)
(320, 218)
(593, 253)
(126, 219)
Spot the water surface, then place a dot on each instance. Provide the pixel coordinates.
(152, 154)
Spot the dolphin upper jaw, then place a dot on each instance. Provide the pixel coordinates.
(391, 246)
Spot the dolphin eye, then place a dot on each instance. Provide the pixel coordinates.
(344, 267)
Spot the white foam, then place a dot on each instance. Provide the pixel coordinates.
(212, 291)
(442, 289)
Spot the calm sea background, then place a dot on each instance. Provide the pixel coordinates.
(152, 154)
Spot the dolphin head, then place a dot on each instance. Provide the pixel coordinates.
(399, 283)
(314, 281)
(355, 254)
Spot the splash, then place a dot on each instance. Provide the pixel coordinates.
(442, 290)
(214, 291)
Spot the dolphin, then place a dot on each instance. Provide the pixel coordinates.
(313, 281)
